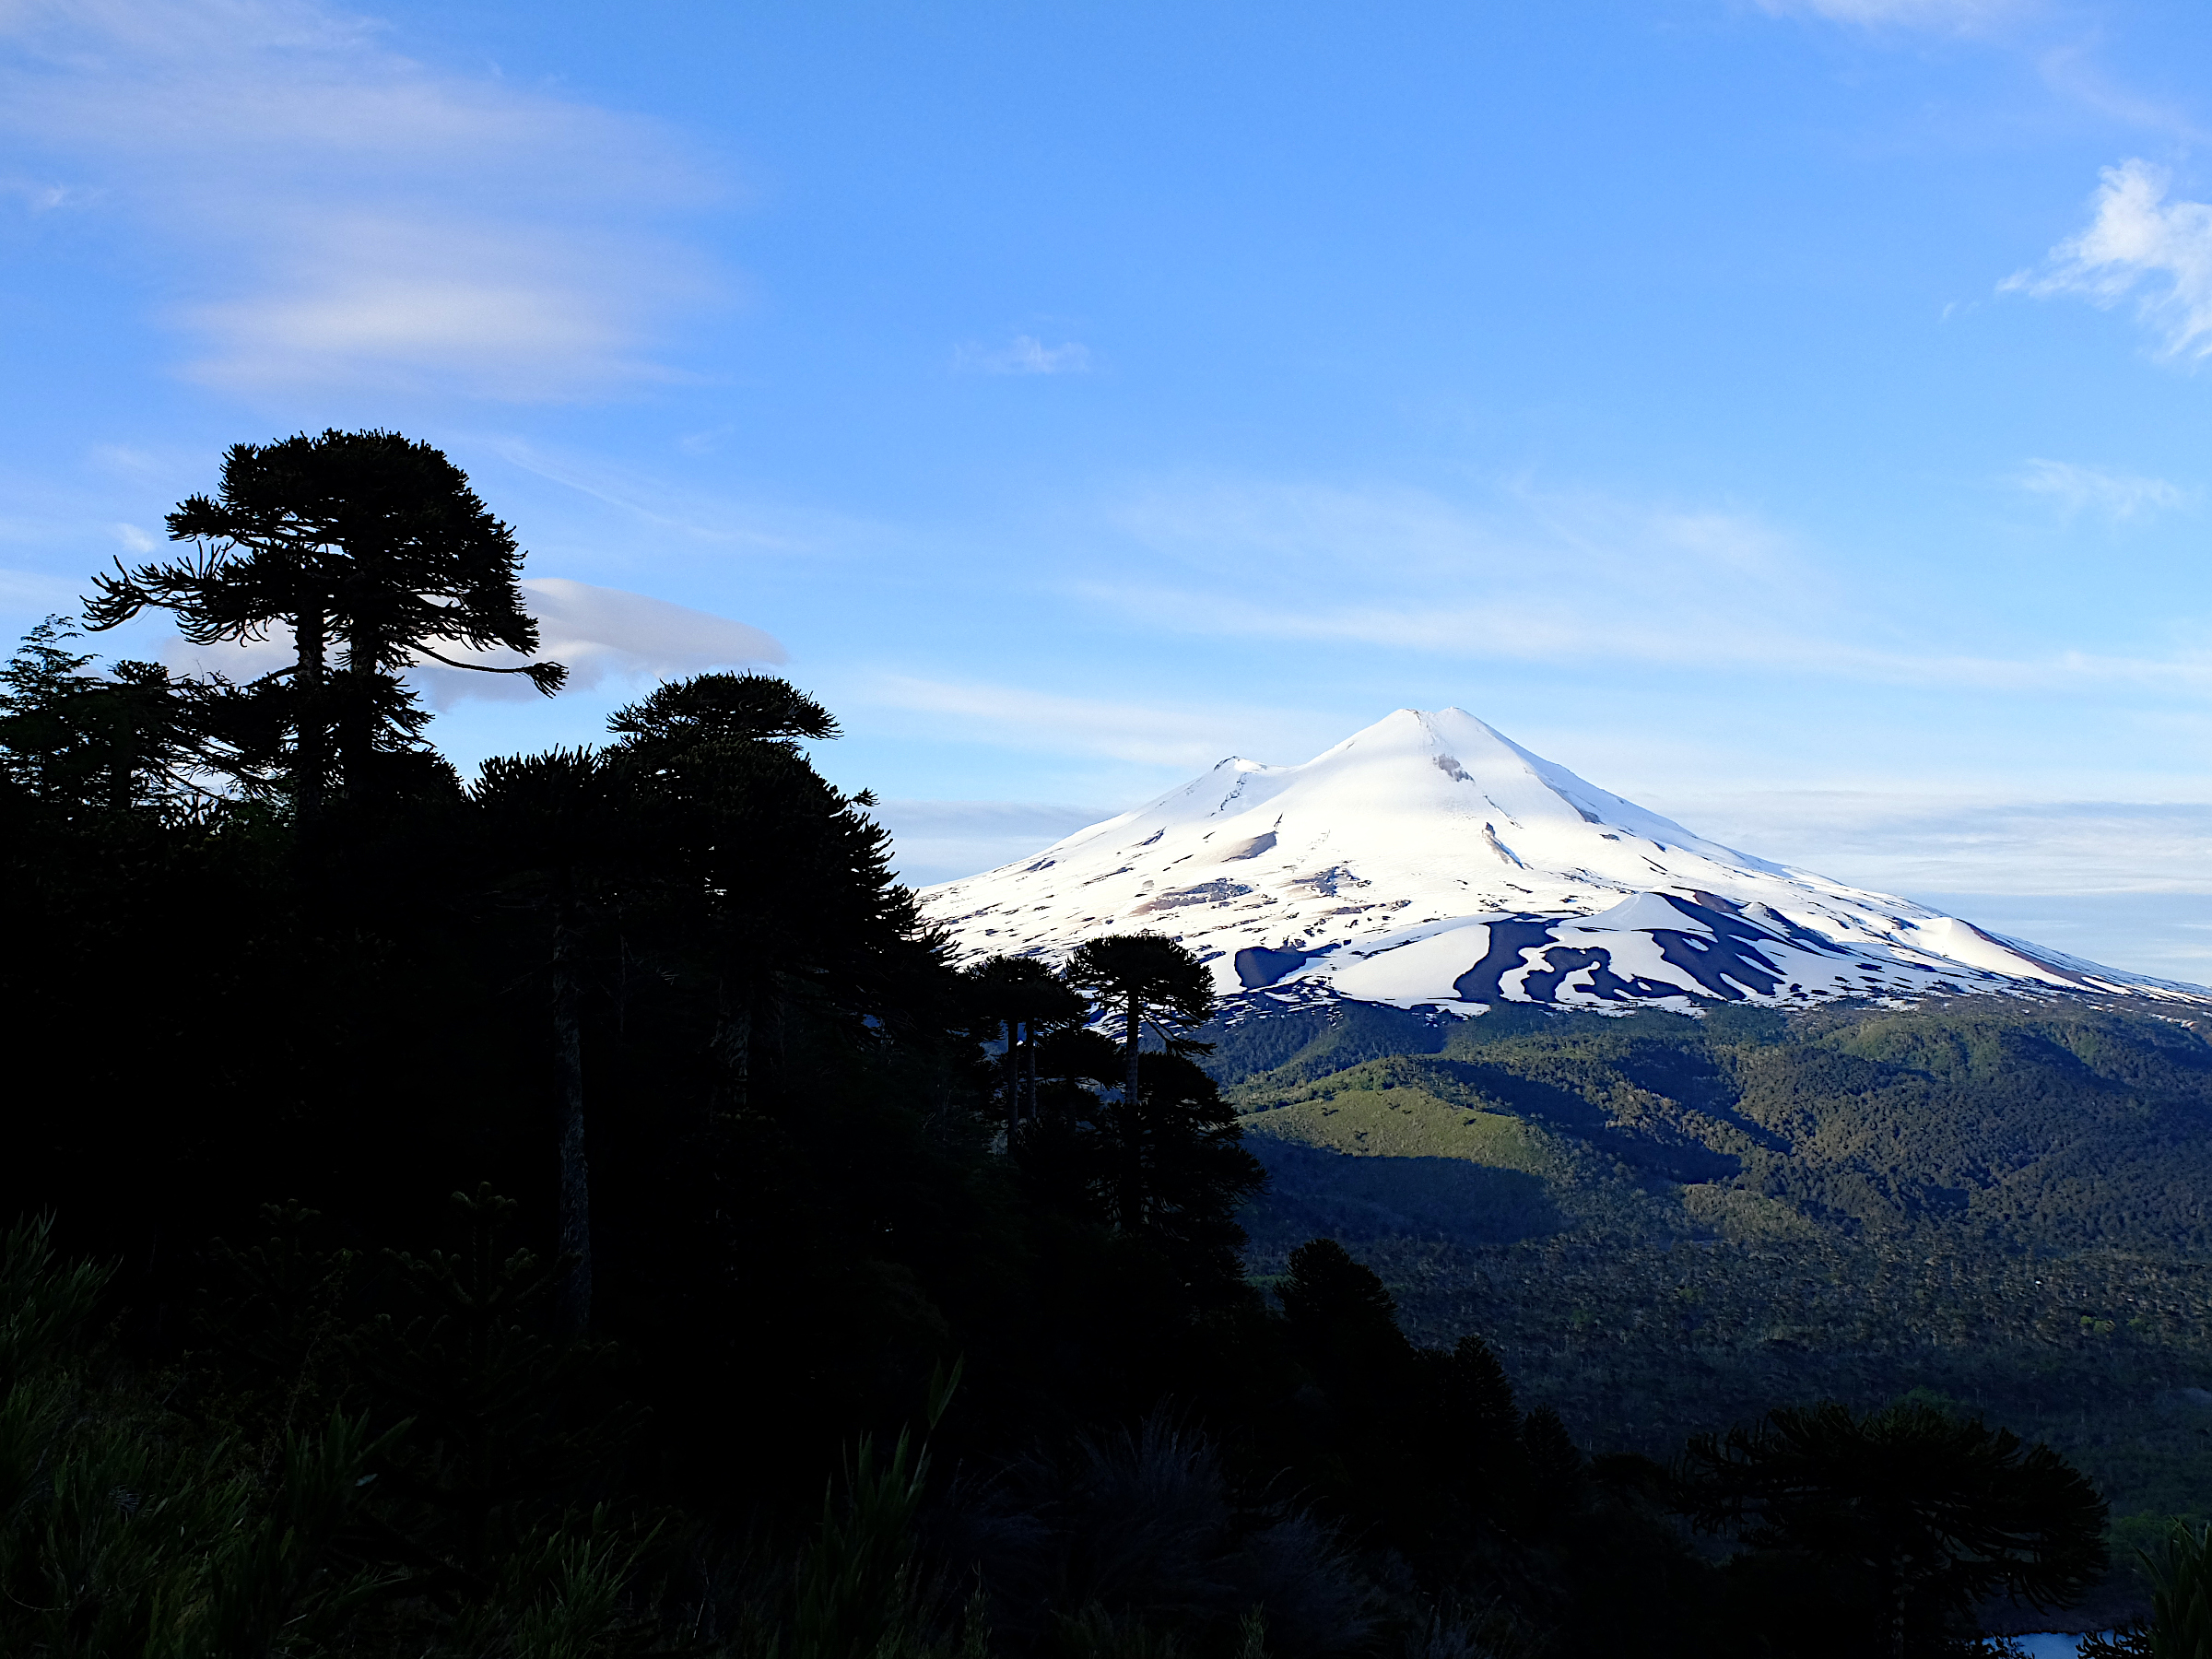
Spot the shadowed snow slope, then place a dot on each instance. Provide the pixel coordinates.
(1428, 861)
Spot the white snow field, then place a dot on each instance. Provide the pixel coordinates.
(1429, 862)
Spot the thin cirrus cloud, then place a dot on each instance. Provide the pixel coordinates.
(597, 633)
(1701, 590)
(1019, 717)
(1405, 568)
(1901, 839)
(1952, 17)
(1025, 354)
(2138, 245)
(1678, 635)
(2075, 489)
(338, 214)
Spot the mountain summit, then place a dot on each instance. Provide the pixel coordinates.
(1428, 861)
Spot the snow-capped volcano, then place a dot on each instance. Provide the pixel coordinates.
(1429, 861)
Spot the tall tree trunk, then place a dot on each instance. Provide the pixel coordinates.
(123, 776)
(356, 713)
(575, 1176)
(733, 1044)
(1137, 1025)
(1132, 1197)
(1013, 1073)
(309, 759)
(1026, 1083)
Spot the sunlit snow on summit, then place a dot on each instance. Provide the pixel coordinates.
(1428, 861)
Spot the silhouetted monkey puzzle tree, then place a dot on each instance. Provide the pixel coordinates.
(1029, 1001)
(1935, 1512)
(569, 851)
(365, 541)
(104, 742)
(1147, 976)
(782, 886)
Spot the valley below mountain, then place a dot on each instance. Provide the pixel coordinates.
(1681, 1131)
(1997, 1202)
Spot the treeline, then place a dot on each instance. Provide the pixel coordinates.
(486, 1217)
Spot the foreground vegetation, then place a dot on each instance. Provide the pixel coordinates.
(580, 1212)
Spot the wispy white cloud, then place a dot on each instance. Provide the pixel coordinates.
(1026, 354)
(2138, 244)
(36, 594)
(1562, 633)
(1561, 580)
(40, 195)
(2050, 34)
(1195, 734)
(597, 633)
(342, 214)
(1948, 16)
(2074, 71)
(1908, 838)
(1533, 576)
(600, 633)
(2119, 495)
(667, 505)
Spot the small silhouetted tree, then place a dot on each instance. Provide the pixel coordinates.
(1181, 1171)
(1027, 1001)
(133, 738)
(1165, 1168)
(1930, 1511)
(1146, 977)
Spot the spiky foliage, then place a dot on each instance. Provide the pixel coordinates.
(1912, 1513)
(1023, 998)
(363, 541)
(1147, 978)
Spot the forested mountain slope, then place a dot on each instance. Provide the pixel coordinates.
(2042, 1127)
(2004, 1202)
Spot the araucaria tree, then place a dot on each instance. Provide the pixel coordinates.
(784, 882)
(364, 546)
(1024, 997)
(568, 852)
(129, 739)
(1147, 978)
(1909, 1516)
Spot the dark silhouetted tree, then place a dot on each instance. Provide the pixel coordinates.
(364, 541)
(566, 848)
(1025, 999)
(136, 737)
(1146, 977)
(1925, 1513)
(1165, 1168)
(780, 883)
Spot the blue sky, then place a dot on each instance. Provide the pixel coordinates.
(1792, 416)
